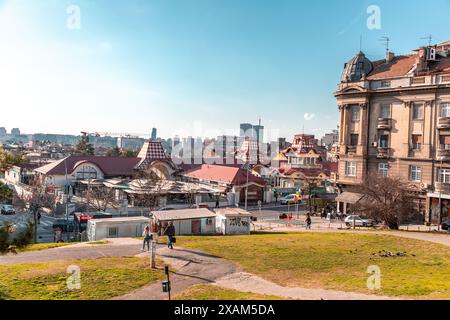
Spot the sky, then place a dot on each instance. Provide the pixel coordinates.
(192, 67)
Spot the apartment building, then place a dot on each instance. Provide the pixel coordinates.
(395, 121)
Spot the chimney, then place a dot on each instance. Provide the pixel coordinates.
(389, 56)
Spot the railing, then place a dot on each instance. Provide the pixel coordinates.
(443, 154)
(442, 187)
(384, 123)
(383, 153)
(443, 123)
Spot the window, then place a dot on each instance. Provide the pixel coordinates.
(355, 113)
(385, 111)
(350, 168)
(383, 169)
(445, 110)
(384, 141)
(418, 80)
(415, 173)
(444, 142)
(86, 172)
(113, 232)
(354, 139)
(444, 175)
(416, 141)
(445, 78)
(417, 112)
(385, 84)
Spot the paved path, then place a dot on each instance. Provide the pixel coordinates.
(117, 248)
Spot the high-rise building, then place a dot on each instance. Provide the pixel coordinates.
(395, 121)
(154, 134)
(255, 132)
(15, 132)
(3, 132)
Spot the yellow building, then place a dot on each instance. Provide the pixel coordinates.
(395, 120)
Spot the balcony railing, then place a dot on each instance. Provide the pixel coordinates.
(383, 153)
(443, 123)
(351, 149)
(443, 154)
(384, 123)
(442, 187)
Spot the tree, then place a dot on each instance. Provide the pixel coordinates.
(150, 188)
(6, 194)
(8, 160)
(37, 198)
(84, 147)
(386, 199)
(114, 152)
(101, 198)
(10, 243)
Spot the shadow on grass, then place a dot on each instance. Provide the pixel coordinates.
(267, 232)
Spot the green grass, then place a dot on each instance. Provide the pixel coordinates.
(101, 279)
(212, 292)
(45, 246)
(336, 261)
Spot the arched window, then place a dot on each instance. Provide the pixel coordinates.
(86, 172)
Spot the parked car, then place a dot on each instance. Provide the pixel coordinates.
(359, 222)
(65, 225)
(7, 209)
(445, 224)
(289, 199)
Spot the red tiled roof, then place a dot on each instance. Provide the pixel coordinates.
(224, 174)
(110, 166)
(398, 67)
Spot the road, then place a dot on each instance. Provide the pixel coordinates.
(21, 219)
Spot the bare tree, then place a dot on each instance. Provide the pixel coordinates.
(37, 198)
(101, 198)
(150, 187)
(386, 199)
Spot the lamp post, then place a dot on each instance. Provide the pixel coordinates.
(246, 186)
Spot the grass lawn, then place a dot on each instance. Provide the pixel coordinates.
(212, 292)
(336, 261)
(102, 278)
(45, 246)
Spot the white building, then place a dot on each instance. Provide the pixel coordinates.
(233, 221)
(188, 221)
(124, 227)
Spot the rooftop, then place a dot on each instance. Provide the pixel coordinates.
(183, 214)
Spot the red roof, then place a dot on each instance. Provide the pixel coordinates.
(398, 67)
(110, 166)
(224, 174)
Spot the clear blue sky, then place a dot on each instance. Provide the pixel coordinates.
(181, 64)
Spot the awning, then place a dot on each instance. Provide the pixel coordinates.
(349, 197)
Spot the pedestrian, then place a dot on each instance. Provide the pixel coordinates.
(147, 238)
(276, 197)
(308, 222)
(217, 202)
(39, 217)
(170, 233)
(58, 235)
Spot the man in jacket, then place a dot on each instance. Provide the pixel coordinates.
(170, 233)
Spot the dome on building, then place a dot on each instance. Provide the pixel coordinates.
(358, 67)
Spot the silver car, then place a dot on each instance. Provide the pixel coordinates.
(7, 209)
(358, 221)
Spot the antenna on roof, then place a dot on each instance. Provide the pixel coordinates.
(385, 40)
(360, 43)
(429, 38)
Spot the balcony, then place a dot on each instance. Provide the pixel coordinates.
(443, 123)
(384, 124)
(383, 153)
(351, 149)
(442, 187)
(443, 154)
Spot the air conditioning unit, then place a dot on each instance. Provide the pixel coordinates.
(375, 144)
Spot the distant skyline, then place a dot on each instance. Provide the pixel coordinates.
(192, 67)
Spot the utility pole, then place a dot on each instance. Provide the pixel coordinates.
(66, 193)
(440, 197)
(246, 186)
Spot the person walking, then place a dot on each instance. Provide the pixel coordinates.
(308, 222)
(147, 238)
(170, 233)
(217, 202)
(39, 217)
